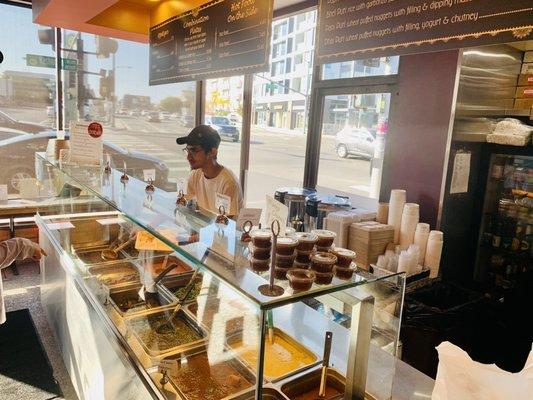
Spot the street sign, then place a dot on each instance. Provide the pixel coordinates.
(35, 60)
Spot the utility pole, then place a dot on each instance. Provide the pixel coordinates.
(80, 77)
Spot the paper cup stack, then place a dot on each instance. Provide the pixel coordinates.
(434, 252)
(410, 217)
(396, 203)
(421, 240)
(383, 213)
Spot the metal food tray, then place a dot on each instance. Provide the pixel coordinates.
(278, 332)
(108, 268)
(80, 251)
(178, 280)
(269, 393)
(303, 383)
(116, 291)
(202, 332)
(235, 362)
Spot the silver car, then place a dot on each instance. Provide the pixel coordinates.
(355, 141)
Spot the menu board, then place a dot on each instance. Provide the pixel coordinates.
(350, 29)
(220, 38)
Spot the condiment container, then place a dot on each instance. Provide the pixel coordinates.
(323, 278)
(323, 262)
(325, 237)
(344, 272)
(285, 261)
(286, 245)
(301, 280)
(303, 256)
(259, 253)
(259, 265)
(344, 256)
(306, 241)
(261, 238)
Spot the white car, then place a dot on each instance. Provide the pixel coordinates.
(164, 115)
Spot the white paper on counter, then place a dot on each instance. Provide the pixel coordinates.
(249, 214)
(84, 149)
(461, 173)
(3, 192)
(221, 200)
(276, 210)
(149, 175)
(459, 377)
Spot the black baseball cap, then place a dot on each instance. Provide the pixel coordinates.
(202, 135)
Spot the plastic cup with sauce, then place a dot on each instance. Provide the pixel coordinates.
(301, 280)
(260, 253)
(323, 262)
(344, 256)
(285, 261)
(325, 237)
(260, 265)
(303, 256)
(261, 238)
(306, 241)
(344, 272)
(281, 273)
(286, 245)
(323, 278)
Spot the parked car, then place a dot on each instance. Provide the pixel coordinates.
(224, 127)
(153, 117)
(355, 141)
(6, 121)
(145, 113)
(164, 115)
(187, 121)
(18, 156)
(135, 113)
(6, 133)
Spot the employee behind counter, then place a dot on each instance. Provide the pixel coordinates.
(208, 179)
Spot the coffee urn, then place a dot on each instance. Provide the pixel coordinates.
(317, 207)
(294, 199)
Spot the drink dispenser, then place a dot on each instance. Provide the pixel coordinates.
(317, 207)
(294, 199)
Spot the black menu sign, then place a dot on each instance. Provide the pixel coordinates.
(220, 38)
(350, 29)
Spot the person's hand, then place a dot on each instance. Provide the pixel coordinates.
(38, 253)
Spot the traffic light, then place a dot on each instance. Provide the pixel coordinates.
(105, 46)
(46, 36)
(107, 85)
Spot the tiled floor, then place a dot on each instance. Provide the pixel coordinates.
(23, 291)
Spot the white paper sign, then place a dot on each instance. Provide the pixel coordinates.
(3, 192)
(461, 173)
(86, 147)
(249, 214)
(181, 184)
(149, 175)
(276, 211)
(29, 188)
(224, 201)
(170, 366)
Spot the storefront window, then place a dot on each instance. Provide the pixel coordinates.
(280, 111)
(112, 88)
(361, 68)
(354, 132)
(27, 93)
(223, 111)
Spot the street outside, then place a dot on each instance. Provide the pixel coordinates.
(276, 158)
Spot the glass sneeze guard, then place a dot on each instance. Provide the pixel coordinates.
(192, 234)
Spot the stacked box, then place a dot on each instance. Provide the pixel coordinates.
(369, 240)
(524, 91)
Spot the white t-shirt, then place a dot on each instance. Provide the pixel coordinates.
(204, 190)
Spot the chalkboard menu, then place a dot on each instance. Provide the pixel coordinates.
(351, 29)
(220, 38)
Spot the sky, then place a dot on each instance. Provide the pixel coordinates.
(19, 37)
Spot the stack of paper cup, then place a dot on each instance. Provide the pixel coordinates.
(383, 213)
(421, 240)
(396, 203)
(434, 252)
(410, 217)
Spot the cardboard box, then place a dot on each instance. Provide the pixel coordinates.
(524, 92)
(528, 57)
(369, 240)
(525, 80)
(523, 104)
(527, 68)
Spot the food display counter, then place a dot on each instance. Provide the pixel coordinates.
(152, 300)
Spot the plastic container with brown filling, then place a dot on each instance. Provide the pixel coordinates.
(261, 238)
(326, 249)
(259, 253)
(301, 280)
(323, 262)
(344, 256)
(259, 265)
(286, 245)
(281, 273)
(303, 256)
(325, 237)
(301, 265)
(306, 241)
(344, 272)
(323, 278)
(285, 261)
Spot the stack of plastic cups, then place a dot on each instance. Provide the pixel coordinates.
(410, 218)
(396, 203)
(421, 240)
(434, 252)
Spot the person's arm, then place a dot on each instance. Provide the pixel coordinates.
(18, 249)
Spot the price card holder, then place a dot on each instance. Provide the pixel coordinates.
(181, 184)
(224, 201)
(149, 175)
(276, 211)
(170, 366)
(249, 214)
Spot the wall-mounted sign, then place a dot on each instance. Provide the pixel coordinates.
(351, 29)
(220, 38)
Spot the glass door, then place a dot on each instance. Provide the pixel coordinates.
(354, 126)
